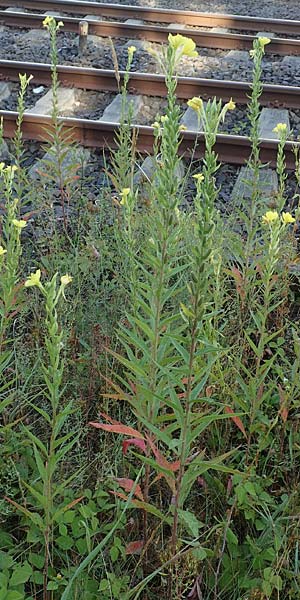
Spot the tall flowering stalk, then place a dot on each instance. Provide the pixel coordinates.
(47, 490)
(282, 131)
(10, 252)
(265, 303)
(167, 357)
(123, 158)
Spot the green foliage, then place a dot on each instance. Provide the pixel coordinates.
(181, 329)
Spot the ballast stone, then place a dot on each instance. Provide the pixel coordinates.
(5, 90)
(92, 18)
(54, 13)
(238, 56)
(269, 118)
(291, 61)
(219, 30)
(67, 99)
(176, 25)
(191, 120)
(148, 168)
(134, 22)
(112, 113)
(15, 9)
(36, 36)
(77, 157)
(4, 151)
(243, 187)
(265, 34)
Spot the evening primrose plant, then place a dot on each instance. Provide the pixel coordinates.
(167, 356)
(44, 496)
(11, 252)
(281, 130)
(190, 358)
(123, 158)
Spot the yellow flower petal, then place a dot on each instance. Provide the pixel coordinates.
(280, 128)
(263, 41)
(19, 224)
(2, 251)
(199, 177)
(270, 217)
(33, 279)
(48, 21)
(185, 46)
(131, 50)
(66, 279)
(195, 103)
(230, 105)
(124, 193)
(287, 218)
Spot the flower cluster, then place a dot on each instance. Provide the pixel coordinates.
(272, 216)
(131, 50)
(182, 45)
(196, 104)
(50, 23)
(280, 128)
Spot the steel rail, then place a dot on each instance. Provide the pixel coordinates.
(151, 84)
(152, 33)
(99, 134)
(161, 15)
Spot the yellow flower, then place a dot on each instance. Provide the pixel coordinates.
(48, 21)
(287, 218)
(195, 103)
(66, 279)
(182, 128)
(124, 193)
(155, 125)
(230, 105)
(199, 177)
(270, 216)
(2, 251)
(2, 165)
(280, 128)
(34, 279)
(131, 50)
(183, 45)
(164, 118)
(60, 24)
(19, 224)
(263, 41)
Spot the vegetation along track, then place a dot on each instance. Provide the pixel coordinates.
(234, 149)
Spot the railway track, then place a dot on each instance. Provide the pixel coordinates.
(154, 33)
(97, 134)
(151, 84)
(159, 15)
(88, 132)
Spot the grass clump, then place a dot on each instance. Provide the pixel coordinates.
(149, 404)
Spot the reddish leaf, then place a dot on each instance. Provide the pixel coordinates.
(162, 462)
(73, 503)
(239, 282)
(134, 547)
(133, 442)
(229, 485)
(117, 427)
(236, 420)
(283, 411)
(128, 485)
